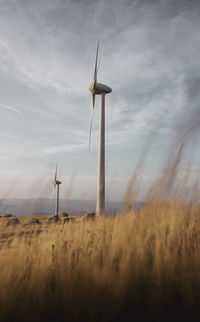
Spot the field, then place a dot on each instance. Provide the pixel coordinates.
(142, 266)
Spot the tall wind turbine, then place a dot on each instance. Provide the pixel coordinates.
(56, 184)
(99, 89)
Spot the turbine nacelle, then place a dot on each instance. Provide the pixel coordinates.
(99, 89)
(57, 182)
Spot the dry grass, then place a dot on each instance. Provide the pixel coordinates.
(142, 266)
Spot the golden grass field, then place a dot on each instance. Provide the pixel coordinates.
(142, 266)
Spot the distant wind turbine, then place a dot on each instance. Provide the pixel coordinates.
(99, 89)
(56, 184)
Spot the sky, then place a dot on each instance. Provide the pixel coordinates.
(150, 57)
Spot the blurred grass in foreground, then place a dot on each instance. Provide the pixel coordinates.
(134, 267)
(142, 266)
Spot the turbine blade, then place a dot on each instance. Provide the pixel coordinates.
(96, 66)
(55, 178)
(91, 119)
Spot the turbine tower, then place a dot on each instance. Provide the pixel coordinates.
(56, 186)
(99, 89)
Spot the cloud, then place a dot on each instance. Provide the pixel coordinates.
(63, 148)
(13, 109)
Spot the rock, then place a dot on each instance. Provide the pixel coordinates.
(89, 216)
(64, 214)
(67, 219)
(13, 221)
(54, 219)
(7, 215)
(34, 221)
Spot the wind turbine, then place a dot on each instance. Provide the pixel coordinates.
(99, 89)
(56, 184)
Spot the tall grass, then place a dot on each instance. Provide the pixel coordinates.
(142, 266)
(134, 267)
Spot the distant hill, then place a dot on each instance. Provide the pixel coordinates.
(45, 206)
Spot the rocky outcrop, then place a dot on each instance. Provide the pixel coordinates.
(13, 221)
(33, 221)
(64, 214)
(89, 216)
(68, 219)
(54, 219)
(7, 215)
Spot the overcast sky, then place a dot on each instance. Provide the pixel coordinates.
(149, 55)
